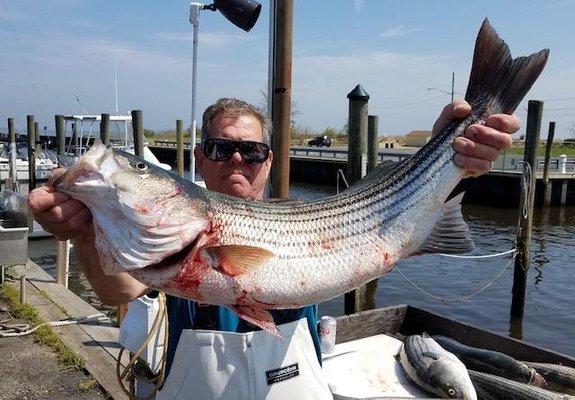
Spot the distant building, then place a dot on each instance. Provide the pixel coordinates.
(417, 138)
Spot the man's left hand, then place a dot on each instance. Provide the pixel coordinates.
(480, 145)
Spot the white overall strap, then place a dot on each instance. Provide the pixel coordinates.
(254, 365)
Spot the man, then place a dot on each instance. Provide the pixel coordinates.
(234, 158)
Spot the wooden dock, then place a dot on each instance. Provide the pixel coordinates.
(96, 343)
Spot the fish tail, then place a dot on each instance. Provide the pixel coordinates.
(496, 74)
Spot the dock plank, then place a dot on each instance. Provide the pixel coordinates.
(96, 343)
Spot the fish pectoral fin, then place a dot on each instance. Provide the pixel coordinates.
(236, 260)
(450, 234)
(259, 317)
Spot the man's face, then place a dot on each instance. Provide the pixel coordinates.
(234, 176)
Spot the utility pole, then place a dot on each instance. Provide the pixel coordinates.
(452, 86)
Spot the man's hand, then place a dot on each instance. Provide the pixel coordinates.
(480, 145)
(58, 213)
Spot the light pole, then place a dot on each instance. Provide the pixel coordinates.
(452, 93)
(243, 14)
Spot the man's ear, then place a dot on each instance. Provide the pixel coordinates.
(270, 158)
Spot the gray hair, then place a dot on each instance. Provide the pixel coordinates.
(234, 108)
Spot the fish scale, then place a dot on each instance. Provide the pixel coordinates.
(253, 256)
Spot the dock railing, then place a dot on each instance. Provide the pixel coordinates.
(505, 163)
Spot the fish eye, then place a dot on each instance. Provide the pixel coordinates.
(140, 166)
(451, 392)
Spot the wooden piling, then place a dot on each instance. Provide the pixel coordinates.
(180, 144)
(281, 98)
(105, 129)
(13, 172)
(372, 141)
(75, 147)
(548, 148)
(60, 135)
(356, 165)
(138, 130)
(31, 152)
(534, 114)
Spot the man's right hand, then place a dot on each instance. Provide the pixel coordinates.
(58, 213)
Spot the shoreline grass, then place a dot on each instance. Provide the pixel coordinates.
(45, 335)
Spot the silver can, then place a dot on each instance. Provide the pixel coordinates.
(327, 327)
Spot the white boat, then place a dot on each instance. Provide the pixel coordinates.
(121, 137)
(46, 161)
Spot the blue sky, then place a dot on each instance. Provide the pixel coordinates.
(54, 51)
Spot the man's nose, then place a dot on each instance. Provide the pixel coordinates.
(236, 157)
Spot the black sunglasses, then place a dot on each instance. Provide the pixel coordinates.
(223, 149)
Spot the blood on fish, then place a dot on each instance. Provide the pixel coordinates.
(327, 245)
(387, 259)
(141, 209)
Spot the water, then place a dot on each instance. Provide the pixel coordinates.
(548, 318)
(548, 321)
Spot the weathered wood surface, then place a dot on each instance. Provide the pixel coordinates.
(96, 343)
(418, 321)
(369, 323)
(403, 320)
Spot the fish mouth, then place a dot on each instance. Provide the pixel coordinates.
(87, 171)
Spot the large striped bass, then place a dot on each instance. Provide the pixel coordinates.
(253, 256)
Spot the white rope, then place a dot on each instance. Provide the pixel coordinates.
(466, 297)
(14, 330)
(503, 253)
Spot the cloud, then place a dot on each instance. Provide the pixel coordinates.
(396, 83)
(399, 31)
(358, 5)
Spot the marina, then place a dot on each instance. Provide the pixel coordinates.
(416, 247)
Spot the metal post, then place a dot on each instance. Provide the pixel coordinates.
(31, 153)
(195, 9)
(23, 285)
(356, 165)
(138, 128)
(180, 149)
(548, 148)
(281, 113)
(63, 251)
(105, 129)
(534, 114)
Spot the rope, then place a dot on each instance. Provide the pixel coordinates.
(503, 253)
(129, 370)
(466, 297)
(14, 330)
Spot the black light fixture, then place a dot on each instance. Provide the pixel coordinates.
(241, 13)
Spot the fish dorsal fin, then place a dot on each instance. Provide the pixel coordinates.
(236, 260)
(450, 234)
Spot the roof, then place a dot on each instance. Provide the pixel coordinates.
(419, 133)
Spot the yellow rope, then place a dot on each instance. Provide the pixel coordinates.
(158, 380)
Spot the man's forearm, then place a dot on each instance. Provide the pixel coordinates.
(111, 289)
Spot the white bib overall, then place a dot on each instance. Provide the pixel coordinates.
(255, 365)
